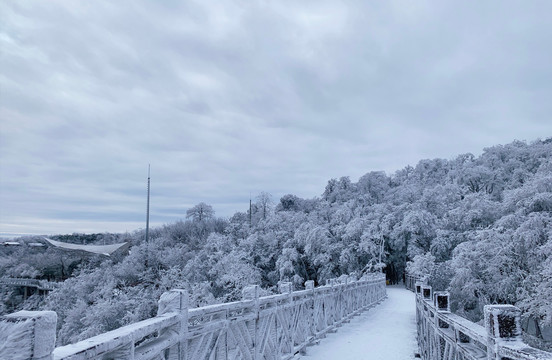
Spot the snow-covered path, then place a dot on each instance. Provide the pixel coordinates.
(385, 332)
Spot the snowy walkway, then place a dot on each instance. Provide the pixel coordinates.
(385, 332)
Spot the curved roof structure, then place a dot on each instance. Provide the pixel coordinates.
(106, 250)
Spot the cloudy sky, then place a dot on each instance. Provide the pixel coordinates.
(228, 98)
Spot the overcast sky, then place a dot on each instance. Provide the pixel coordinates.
(228, 98)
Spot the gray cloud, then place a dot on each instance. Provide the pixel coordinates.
(237, 97)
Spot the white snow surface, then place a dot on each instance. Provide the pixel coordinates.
(384, 332)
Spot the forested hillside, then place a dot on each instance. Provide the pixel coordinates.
(481, 226)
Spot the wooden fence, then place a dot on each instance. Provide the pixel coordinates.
(272, 327)
(446, 336)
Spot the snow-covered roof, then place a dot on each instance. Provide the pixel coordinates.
(13, 243)
(35, 244)
(106, 250)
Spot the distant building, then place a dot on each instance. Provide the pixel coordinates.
(34, 244)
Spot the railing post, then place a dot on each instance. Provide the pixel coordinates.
(337, 300)
(343, 279)
(370, 290)
(418, 287)
(380, 287)
(251, 292)
(330, 300)
(442, 301)
(309, 285)
(383, 288)
(426, 292)
(28, 335)
(351, 294)
(502, 323)
(176, 301)
(286, 288)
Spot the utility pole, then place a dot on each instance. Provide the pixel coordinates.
(250, 210)
(147, 210)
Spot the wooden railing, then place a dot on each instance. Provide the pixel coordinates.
(270, 327)
(446, 336)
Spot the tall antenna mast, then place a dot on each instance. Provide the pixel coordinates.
(250, 209)
(147, 211)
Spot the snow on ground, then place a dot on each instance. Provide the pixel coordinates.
(385, 332)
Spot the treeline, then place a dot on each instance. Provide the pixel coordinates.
(479, 225)
(89, 239)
